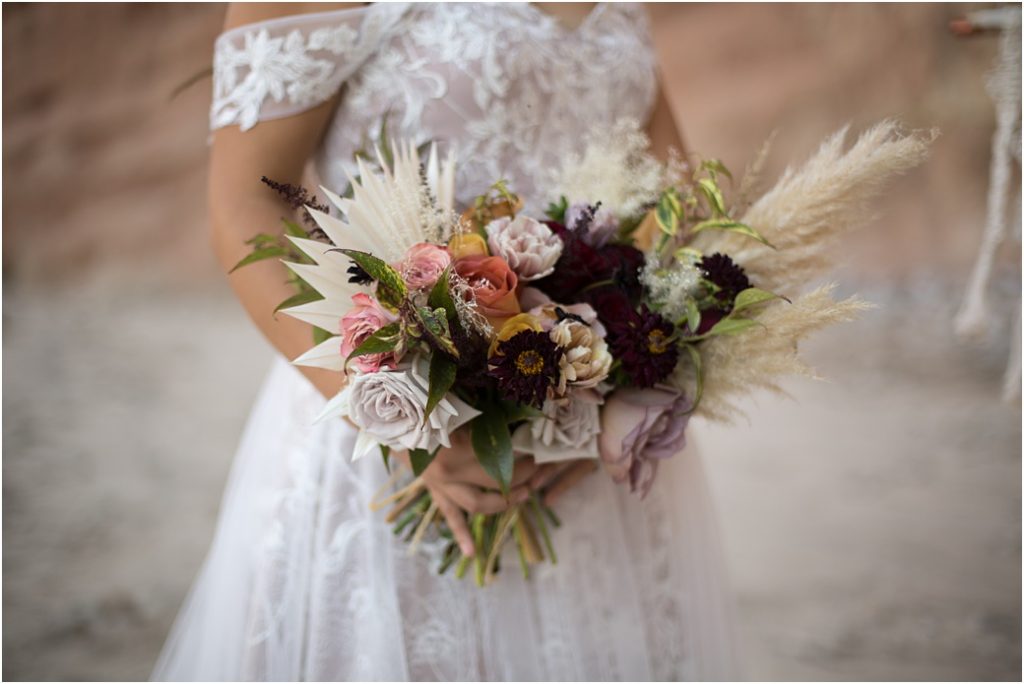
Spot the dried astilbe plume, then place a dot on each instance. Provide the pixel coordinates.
(805, 211)
(808, 208)
(617, 169)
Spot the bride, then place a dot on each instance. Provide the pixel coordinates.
(303, 581)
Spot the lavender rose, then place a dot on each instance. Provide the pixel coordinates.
(641, 427)
(388, 407)
(529, 247)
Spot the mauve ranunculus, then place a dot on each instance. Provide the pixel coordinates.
(640, 427)
(530, 248)
(365, 318)
(493, 285)
(423, 265)
(603, 225)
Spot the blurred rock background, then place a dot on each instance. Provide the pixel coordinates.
(872, 525)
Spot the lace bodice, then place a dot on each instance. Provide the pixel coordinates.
(506, 84)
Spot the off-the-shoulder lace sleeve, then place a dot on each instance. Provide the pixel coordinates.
(280, 67)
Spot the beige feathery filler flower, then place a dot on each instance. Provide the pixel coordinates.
(802, 215)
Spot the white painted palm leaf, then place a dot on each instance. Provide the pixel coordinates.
(390, 210)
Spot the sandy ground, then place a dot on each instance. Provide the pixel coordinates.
(872, 524)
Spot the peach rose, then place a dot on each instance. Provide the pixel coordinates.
(493, 285)
(423, 265)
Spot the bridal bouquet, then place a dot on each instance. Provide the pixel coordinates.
(642, 297)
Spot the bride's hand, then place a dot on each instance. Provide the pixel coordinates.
(555, 479)
(459, 485)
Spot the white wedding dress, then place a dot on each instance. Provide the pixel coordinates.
(302, 580)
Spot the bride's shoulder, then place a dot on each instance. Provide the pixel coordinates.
(278, 59)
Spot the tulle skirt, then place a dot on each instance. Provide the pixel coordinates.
(303, 582)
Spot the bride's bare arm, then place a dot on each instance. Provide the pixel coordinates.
(662, 128)
(240, 206)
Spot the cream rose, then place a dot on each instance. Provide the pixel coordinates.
(388, 408)
(567, 430)
(529, 247)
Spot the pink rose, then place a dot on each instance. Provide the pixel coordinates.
(639, 428)
(493, 285)
(423, 265)
(366, 318)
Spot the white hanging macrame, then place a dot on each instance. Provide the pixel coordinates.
(1004, 86)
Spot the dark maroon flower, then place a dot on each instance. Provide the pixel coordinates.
(610, 303)
(582, 265)
(644, 345)
(525, 366)
(579, 266)
(727, 275)
(708, 319)
(627, 262)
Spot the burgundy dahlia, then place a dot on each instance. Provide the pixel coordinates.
(525, 366)
(581, 266)
(611, 304)
(644, 345)
(727, 275)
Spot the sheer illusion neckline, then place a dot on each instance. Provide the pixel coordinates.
(559, 25)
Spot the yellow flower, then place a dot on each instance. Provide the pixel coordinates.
(512, 326)
(467, 244)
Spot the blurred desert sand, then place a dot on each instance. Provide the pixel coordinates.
(872, 525)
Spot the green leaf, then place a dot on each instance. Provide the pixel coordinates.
(384, 340)
(556, 211)
(692, 314)
(492, 444)
(699, 372)
(730, 326)
(440, 296)
(713, 194)
(517, 412)
(731, 225)
(419, 459)
(304, 297)
(385, 454)
(668, 220)
(263, 239)
(391, 290)
(715, 166)
(321, 335)
(687, 255)
(294, 229)
(435, 326)
(440, 379)
(752, 296)
(259, 255)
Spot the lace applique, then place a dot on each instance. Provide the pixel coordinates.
(282, 67)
